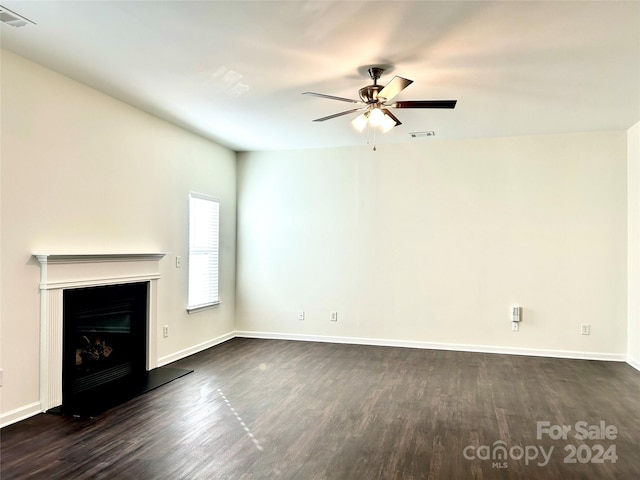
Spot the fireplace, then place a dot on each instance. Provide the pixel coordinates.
(104, 346)
(62, 277)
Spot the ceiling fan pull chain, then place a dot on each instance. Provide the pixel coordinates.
(374, 139)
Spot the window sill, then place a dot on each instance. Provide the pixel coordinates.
(206, 306)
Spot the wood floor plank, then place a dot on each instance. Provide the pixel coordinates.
(259, 409)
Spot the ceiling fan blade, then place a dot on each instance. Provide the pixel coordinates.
(394, 87)
(331, 97)
(339, 114)
(393, 117)
(426, 104)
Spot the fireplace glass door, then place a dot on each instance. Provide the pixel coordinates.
(104, 340)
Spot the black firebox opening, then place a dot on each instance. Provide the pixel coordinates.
(104, 345)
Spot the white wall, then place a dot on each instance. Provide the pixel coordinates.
(633, 245)
(84, 173)
(435, 241)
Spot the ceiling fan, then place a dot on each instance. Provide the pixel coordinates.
(375, 102)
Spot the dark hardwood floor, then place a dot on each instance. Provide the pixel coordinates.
(260, 409)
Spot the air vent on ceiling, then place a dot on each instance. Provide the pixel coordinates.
(12, 18)
(430, 133)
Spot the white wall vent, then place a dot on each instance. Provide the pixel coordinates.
(430, 133)
(11, 18)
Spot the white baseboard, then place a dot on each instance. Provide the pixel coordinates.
(633, 362)
(21, 413)
(195, 349)
(438, 346)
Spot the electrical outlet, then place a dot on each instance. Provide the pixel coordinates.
(301, 315)
(178, 261)
(165, 331)
(334, 316)
(585, 329)
(515, 326)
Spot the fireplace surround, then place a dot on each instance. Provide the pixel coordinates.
(64, 273)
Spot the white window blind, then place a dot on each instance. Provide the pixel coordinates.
(204, 217)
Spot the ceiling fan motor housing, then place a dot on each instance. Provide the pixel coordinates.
(369, 94)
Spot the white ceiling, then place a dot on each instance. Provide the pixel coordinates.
(234, 71)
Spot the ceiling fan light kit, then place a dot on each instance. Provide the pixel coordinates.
(360, 121)
(375, 103)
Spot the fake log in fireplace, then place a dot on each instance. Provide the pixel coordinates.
(104, 344)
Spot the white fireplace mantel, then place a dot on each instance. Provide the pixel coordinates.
(61, 272)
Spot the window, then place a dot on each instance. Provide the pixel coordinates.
(203, 251)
